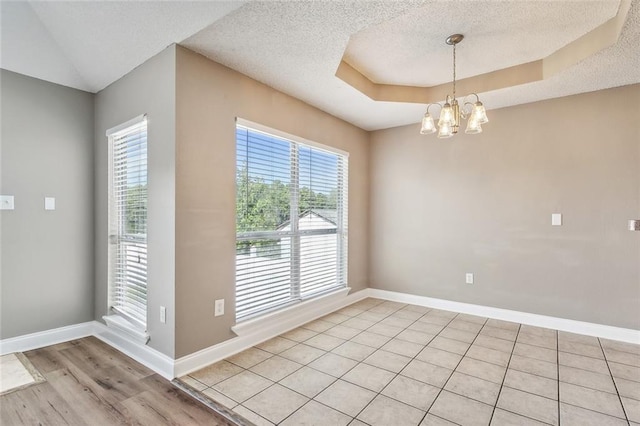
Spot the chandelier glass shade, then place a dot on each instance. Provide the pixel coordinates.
(451, 112)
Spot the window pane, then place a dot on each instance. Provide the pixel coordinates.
(128, 222)
(263, 274)
(263, 182)
(280, 258)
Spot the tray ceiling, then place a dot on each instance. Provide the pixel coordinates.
(410, 50)
(297, 46)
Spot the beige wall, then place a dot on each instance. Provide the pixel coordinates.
(209, 97)
(483, 204)
(148, 89)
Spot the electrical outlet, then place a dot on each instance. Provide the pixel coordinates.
(219, 308)
(469, 278)
(163, 314)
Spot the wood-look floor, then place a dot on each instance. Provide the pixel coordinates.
(90, 383)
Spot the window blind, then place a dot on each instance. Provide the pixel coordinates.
(291, 217)
(128, 221)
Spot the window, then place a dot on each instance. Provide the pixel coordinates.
(291, 220)
(128, 220)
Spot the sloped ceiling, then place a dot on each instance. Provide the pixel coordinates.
(297, 47)
(90, 44)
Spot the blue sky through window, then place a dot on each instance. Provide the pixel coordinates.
(268, 159)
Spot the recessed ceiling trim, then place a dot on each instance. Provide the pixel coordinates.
(494, 80)
(583, 47)
(589, 44)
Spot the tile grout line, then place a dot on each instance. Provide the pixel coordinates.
(397, 374)
(626, 416)
(455, 368)
(596, 411)
(241, 403)
(390, 338)
(338, 378)
(520, 390)
(512, 352)
(358, 362)
(478, 333)
(569, 366)
(346, 340)
(474, 376)
(412, 359)
(506, 371)
(380, 348)
(444, 326)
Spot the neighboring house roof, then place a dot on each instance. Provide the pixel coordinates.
(330, 215)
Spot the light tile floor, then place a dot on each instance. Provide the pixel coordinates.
(385, 363)
(16, 372)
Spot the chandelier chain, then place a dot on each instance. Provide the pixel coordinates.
(454, 71)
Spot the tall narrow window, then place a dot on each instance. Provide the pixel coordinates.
(291, 221)
(128, 220)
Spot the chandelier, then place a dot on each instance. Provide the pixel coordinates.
(451, 112)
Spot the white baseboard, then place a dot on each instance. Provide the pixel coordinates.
(41, 339)
(145, 355)
(562, 324)
(251, 335)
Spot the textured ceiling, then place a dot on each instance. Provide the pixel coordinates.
(296, 47)
(405, 51)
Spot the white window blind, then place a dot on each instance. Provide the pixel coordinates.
(291, 221)
(128, 220)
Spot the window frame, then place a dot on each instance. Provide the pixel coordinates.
(341, 230)
(116, 237)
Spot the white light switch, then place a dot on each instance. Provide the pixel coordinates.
(469, 278)
(219, 308)
(6, 202)
(163, 314)
(49, 203)
(556, 219)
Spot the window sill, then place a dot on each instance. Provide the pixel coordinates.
(126, 329)
(304, 311)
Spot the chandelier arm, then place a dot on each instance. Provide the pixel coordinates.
(430, 105)
(463, 113)
(464, 101)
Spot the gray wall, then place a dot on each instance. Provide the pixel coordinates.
(47, 256)
(150, 89)
(483, 204)
(209, 97)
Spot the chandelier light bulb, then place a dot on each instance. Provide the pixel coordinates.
(428, 125)
(445, 131)
(446, 116)
(480, 113)
(473, 126)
